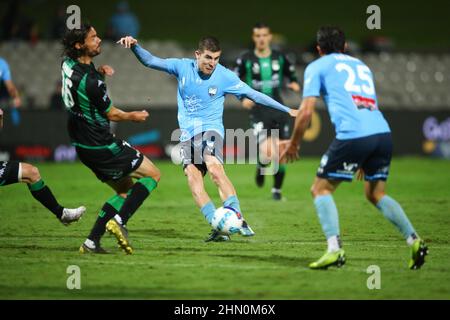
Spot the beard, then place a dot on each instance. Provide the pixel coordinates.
(93, 53)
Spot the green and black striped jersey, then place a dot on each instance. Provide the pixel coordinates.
(265, 74)
(86, 99)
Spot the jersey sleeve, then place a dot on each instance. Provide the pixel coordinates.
(174, 66)
(289, 70)
(312, 81)
(98, 94)
(171, 66)
(240, 89)
(5, 73)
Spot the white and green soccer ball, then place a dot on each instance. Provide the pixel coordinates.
(227, 220)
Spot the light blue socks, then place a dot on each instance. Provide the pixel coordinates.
(232, 201)
(328, 215)
(392, 211)
(208, 211)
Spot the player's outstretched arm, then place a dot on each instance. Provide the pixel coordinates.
(265, 100)
(1, 118)
(115, 114)
(144, 56)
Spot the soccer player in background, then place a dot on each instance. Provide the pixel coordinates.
(112, 160)
(264, 69)
(6, 81)
(15, 171)
(363, 142)
(202, 86)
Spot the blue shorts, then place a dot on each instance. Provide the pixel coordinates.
(344, 157)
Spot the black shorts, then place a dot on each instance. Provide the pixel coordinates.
(264, 119)
(344, 157)
(116, 161)
(194, 150)
(9, 172)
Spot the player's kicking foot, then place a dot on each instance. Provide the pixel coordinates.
(91, 247)
(259, 178)
(121, 234)
(418, 252)
(245, 230)
(71, 215)
(216, 236)
(336, 258)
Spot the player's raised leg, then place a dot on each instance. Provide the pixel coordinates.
(30, 175)
(392, 211)
(322, 190)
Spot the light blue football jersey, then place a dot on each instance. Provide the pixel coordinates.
(201, 98)
(347, 87)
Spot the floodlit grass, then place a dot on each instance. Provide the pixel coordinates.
(171, 261)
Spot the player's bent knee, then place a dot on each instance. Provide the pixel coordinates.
(30, 173)
(317, 191)
(156, 174)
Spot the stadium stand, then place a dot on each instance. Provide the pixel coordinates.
(403, 80)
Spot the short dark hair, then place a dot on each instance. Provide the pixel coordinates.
(261, 25)
(71, 37)
(331, 39)
(209, 43)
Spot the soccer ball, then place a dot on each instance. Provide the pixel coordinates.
(227, 220)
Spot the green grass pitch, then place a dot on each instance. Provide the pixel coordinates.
(171, 261)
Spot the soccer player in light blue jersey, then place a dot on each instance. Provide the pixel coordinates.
(202, 86)
(363, 142)
(6, 80)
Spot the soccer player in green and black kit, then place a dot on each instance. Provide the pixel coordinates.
(264, 70)
(12, 172)
(112, 160)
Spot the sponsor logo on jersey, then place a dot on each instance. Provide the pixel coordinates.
(212, 90)
(192, 103)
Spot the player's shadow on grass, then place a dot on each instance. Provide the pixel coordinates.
(161, 233)
(272, 259)
(34, 247)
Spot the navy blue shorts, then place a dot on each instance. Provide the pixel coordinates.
(194, 150)
(344, 157)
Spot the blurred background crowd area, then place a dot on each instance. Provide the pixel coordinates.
(409, 55)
